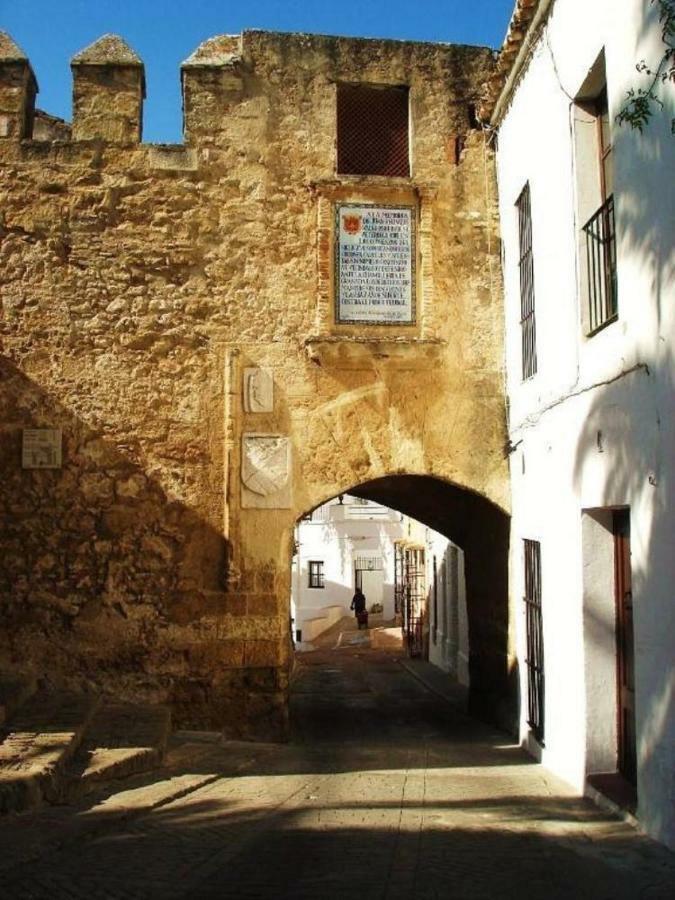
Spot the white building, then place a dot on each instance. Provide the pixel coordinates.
(341, 544)
(408, 573)
(446, 602)
(587, 210)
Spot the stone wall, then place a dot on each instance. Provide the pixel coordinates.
(139, 282)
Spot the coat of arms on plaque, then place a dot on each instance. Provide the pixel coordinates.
(351, 223)
(266, 471)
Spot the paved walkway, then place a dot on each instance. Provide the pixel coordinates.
(386, 791)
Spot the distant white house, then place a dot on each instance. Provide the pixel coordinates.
(409, 574)
(343, 544)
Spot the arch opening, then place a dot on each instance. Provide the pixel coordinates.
(481, 530)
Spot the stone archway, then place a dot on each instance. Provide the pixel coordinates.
(215, 390)
(482, 530)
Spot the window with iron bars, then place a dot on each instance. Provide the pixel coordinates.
(528, 329)
(316, 576)
(372, 130)
(599, 231)
(534, 660)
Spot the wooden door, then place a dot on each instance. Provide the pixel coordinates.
(624, 647)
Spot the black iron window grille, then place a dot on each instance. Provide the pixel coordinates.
(526, 266)
(316, 576)
(534, 659)
(372, 130)
(601, 266)
(399, 577)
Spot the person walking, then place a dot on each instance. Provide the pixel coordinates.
(359, 606)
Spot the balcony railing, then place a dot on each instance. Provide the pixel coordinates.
(601, 266)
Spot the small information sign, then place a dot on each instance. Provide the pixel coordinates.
(375, 264)
(41, 448)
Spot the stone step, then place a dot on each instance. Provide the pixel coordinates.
(42, 737)
(123, 739)
(14, 691)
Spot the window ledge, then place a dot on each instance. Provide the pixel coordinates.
(602, 326)
(359, 352)
(385, 183)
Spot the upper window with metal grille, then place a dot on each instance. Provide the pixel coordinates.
(372, 130)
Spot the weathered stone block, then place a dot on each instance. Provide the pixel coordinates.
(267, 716)
(236, 604)
(262, 604)
(18, 88)
(108, 92)
(264, 653)
(206, 658)
(138, 282)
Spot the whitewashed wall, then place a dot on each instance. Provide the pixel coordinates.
(595, 426)
(336, 537)
(448, 622)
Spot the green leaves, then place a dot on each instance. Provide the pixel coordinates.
(641, 103)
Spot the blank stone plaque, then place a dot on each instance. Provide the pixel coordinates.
(41, 448)
(258, 390)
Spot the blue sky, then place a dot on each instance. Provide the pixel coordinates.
(164, 33)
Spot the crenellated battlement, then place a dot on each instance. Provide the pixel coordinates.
(225, 70)
(142, 286)
(18, 87)
(108, 92)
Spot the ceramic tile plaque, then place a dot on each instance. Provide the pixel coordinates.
(41, 448)
(375, 264)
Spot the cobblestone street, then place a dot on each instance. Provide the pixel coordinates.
(386, 791)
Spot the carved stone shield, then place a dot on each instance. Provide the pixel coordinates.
(265, 467)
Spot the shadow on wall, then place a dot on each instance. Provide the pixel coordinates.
(634, 421)
(631, 421)
(644, 186)
(105, 581)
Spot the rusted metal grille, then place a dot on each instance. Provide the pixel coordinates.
(535, 639)
(415, 596)
(369, 563)
(601, 264)
(525, 263)
(399, 579)
(372, 130)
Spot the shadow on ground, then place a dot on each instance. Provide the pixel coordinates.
(386, 791)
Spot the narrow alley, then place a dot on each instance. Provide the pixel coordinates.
(386, 790)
